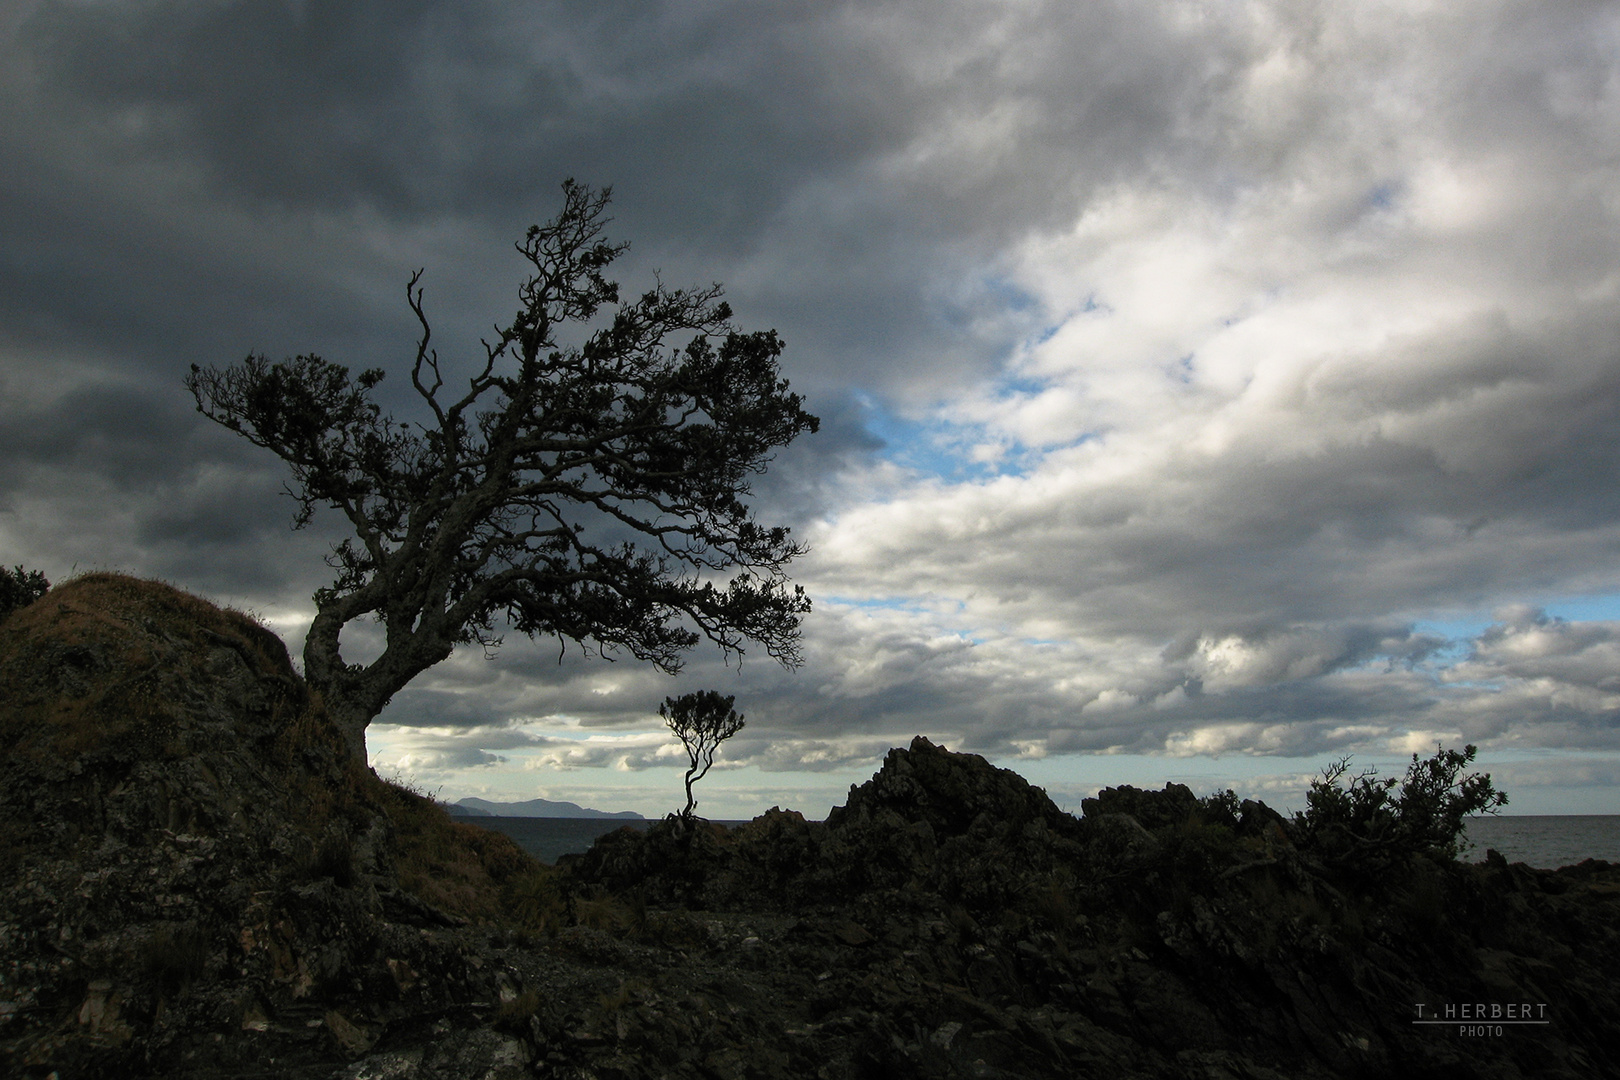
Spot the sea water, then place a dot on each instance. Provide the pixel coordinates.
(1550, 841)
(547, 838)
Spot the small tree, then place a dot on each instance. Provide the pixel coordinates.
(593, 492)
(702, 721)
(1423, 812)
(19, 588)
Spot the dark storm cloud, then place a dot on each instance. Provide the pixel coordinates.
(130, 433)
(718, 108)
(423, 707)
(761, 141)
(419, 109)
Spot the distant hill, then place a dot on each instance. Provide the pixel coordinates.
(534, 808)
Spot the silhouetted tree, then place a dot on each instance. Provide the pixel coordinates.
(19, 588)
(702, 721)
(594, 492)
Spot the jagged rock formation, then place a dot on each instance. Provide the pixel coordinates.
(950, 921)
(197, 884)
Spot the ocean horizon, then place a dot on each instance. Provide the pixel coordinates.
(547, 839)
(1547, 841)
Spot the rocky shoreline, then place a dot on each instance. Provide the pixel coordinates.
(195, 884)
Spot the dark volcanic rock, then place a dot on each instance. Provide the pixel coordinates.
(1151, 809)
(953, 794)
(949, 921)
(196, 884)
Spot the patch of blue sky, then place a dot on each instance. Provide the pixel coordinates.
(1486, 686)
(1089, 306)
(1009, 296)
(955, 452)
(1459, 635)
(938, 449)
(875, 603)
(1460, 629)
(927, 608)
(1043, 335)
(1458, 648)
(1383, 196)
(1012, 386)
(1454, 651)
(1595, 608)
(993, 297)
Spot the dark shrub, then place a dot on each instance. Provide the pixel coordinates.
(1422, 813)
(19, 588)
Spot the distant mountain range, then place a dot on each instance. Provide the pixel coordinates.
(534, 808)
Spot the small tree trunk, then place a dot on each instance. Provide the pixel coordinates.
(351, 723)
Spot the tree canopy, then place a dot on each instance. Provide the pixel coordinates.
(19, 588)
(702, 720)
(592, 492)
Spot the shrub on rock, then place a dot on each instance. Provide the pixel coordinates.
(1367, 815)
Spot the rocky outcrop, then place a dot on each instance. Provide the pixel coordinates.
(197, 884)
(950, 921)
(192, 878)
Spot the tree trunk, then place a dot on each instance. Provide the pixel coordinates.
(354, 699)
(354, 695)
(326, 672)
(351, 722)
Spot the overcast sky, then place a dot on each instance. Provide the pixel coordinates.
(1209, 389)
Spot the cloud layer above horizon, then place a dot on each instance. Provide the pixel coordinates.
(1197, 378)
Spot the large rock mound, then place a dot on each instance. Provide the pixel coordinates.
(185, 850)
